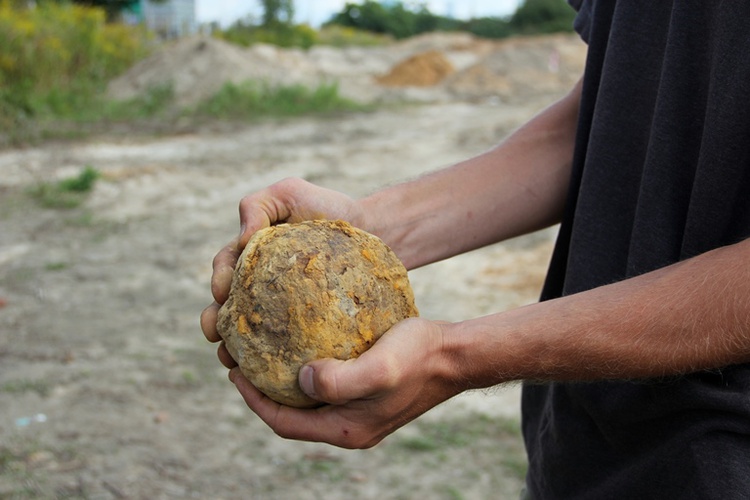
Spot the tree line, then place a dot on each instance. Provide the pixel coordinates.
(400, 21)
(396, 20)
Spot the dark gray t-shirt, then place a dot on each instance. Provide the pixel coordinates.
(661, 173)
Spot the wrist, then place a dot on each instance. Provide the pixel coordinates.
(488, 351)
(373, 215)
(457, 359)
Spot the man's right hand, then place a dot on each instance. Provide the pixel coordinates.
(291, 200)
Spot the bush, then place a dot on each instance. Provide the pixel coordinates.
(55, 57)
(345, 36)
(533, 16)
(251, 100)
(489, 27)
(373, 16)
(66, 193)
(543, 16)
(282, 35)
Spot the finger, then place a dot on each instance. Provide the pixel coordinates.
(264, 208)
(209, 317)
(339, 382)
(254, 216)
(225, 358)
(318, 425)
(223, 271)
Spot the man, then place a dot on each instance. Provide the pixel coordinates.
(636, 358)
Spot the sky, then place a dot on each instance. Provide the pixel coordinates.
(316, 12)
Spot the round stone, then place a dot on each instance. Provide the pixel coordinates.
(306, 291)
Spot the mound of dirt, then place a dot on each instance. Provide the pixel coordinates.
(522, 67)
(432, 67)
(421, 70)
(198, 67)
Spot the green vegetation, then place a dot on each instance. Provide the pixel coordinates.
(23, 386)
(55, 61)
(395, 20)
(542, 16)
(284, 35)
(344, 36)
(252, 99)
(57, 57)
(66, 193)
(477, 432)
(53, 57)
(400, 21)
(56, 266)
(25, 464)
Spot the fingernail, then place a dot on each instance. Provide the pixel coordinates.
(306, 381)
(242, 229)
(233, 375)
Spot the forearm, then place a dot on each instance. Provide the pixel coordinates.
(515, 188)
(687, 317)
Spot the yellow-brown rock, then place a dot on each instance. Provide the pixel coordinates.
(306, 291)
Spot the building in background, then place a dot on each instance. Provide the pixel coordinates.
(168, 18)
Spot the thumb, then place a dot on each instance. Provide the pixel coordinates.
(337, 382)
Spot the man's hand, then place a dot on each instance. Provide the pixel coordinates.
(401, 376)
(291, 200)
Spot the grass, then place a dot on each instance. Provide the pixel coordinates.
(56, 266)
(446, 434)
(25, 465)
(23, 386)
(251, 100)
(481, 434)
(66, 193)
(55, 59)
(74, 115)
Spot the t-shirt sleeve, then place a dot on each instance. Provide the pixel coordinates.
(582, 22)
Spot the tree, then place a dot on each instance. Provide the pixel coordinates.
(393, 19)
(277, 12)
(543, 16)
(113, 8)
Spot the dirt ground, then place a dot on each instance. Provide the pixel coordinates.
(108, 388)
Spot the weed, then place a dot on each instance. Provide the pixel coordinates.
(419, 443)
(189, 378)
(23, 386)
(56, 266)
(66, 193)
(453, 493)
(25, 464)
(447, 434)
(251, 100)
(155, 101)
(346, 36)
(55, 56)
(81, 183)
(329, 468)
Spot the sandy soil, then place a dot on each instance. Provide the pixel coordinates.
(108, 388)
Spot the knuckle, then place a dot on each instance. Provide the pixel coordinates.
(328, 385)
(247, 200)
(290, 183)
(385, 372)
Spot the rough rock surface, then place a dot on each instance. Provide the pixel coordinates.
(300, 292)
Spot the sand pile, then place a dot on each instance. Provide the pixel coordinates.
(519, 68)
(198, 67)
(431, 67)
(421, 70)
